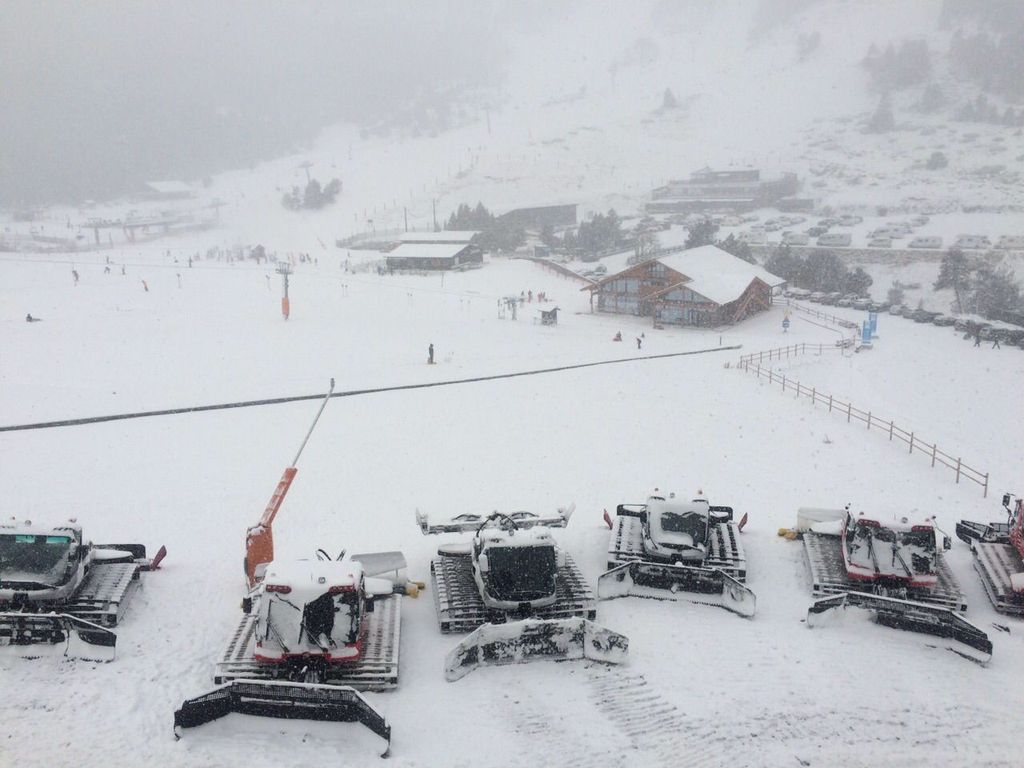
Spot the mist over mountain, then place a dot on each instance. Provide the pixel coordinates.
(101, 96)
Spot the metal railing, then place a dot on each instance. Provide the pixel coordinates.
(910, 438)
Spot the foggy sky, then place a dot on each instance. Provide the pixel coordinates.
(102, 95)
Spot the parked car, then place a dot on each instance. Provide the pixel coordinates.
(835, 240)
(862, 303)
(849, 220)
(795, 238)
(816, 296)
(831, 299)
(896, 309)
(962, 324)
(926, 242)
(879, 306)
(972, 241)
(920, 221)
(908, 312)
(816, 231)
(1014, 336)
(943, 320)
(846, 301)
(923, 316)
(880, 242)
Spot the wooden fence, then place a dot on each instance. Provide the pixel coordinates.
(793, 350)
(913, 441)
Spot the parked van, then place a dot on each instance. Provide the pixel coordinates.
(795, 238)
(926, 242)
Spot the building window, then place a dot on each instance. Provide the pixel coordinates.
(657, 269)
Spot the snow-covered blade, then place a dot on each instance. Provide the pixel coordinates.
(129, 553)
(968, 531)
(293, 701)
(467, 523)
(969, 640)
(376, 563)
(535, 639)
(25, 633)
(710, 586)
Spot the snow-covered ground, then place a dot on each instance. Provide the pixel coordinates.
(761, 692)
(710, 689)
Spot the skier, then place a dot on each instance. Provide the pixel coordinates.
(145, 286)
(995, 341)
(618, 336)
(639, 342)
(430, 354)
(30, 319)
(977, 336)
(106, 270)
(74, 274)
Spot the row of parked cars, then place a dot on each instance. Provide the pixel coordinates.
(987, 331)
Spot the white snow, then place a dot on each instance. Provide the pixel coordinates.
(766, 691)
(717, 275)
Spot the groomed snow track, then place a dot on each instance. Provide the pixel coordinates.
(461, 609)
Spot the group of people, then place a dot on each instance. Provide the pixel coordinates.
(639, 339)
(527, 296)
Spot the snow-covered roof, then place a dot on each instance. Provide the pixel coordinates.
(170, 187)
(447, 236)
(427, 250)
(717, 275)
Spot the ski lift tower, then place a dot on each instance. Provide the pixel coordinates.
(284, 269)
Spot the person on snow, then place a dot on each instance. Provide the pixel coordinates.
(977, 336)
(430, 354)
(74, 274)
(639, 342)
(30, 319)
(995, 341)
(618, 336)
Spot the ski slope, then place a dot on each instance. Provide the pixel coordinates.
(702, 687)
(723, 690)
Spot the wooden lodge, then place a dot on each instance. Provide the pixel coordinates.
(702, 287)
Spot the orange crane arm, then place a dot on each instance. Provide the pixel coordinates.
(259, 539)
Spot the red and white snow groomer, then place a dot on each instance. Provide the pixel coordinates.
(891, 566)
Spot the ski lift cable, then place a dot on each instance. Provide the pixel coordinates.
(348, 393)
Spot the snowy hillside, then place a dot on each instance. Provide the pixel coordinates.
(577, 120)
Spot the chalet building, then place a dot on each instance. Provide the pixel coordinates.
(446, 237)
(707, 189)
(168, 190)
(703, 287)
(434, 256)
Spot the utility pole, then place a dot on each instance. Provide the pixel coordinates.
(284, 269)
(434, 202)
(405, 212)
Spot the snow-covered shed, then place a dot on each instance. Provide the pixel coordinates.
(703, 286)
(437, 256)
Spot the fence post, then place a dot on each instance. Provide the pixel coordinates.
(934, 450)
(890, 431)
(985, 496)
(869, 421)
(849, 409)
(958, 471)
(911, 443)
(783, 382)
(814, 394)
(830, 403)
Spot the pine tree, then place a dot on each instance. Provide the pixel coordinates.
(955, 273)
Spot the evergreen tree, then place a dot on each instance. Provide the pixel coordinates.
(895, 294)
(882, 121)
(738, 248)
(955, 273)
(702, 233)
(994, 290)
